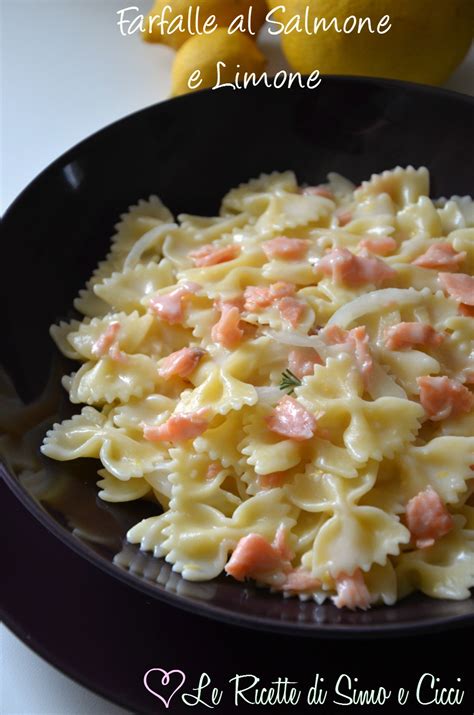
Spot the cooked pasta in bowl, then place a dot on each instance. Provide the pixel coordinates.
(290, 382)
(260, 410)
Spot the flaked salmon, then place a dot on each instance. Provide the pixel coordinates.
(427, 518)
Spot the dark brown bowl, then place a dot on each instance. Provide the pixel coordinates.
(190, 151)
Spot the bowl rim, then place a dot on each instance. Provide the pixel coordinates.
(341, 631)
(67, 156)
(232, 617)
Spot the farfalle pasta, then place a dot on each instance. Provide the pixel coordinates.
(290, 382)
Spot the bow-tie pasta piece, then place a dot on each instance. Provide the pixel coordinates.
(197, 480)
(237, 200)
(463, 242)
(228, 277)
(256, 361)
(445, 570)
(199, 537)
(457, 212)
(91, 434)
(163, 339)
(196, 232)
(201, 316)
(220, 392)
(206, 229)
(60, 334)
(410, 276)
(267, 511)
(125, 290)
(304, 532)
(298, 272)
(369, 430)
(159, 482)
(458, 426)
(404, 186)
(116, 490)
(339, 186)
(381, 582)
(139, 219)
(196, 536)
(126, 458)
(266, 379)
(197, 542)
(108, 380)
(150, 245)
(444, 463)
(364, 227)
(220, 441)
(328, 457)
(149, 533)
(386, 492)
(324, 299)
(95, 339)
(420, 218)
(287, 211)
(286, 313)
(152, 410)
(380, 205)
(316, 491)
(267, 451)
(409, 250)
(456, 353)
(381, 428)
(337, 380)
(451, 216)
(356, 538)
(81, 436)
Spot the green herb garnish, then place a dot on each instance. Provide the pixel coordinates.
(289, 381)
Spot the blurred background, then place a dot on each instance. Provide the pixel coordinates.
(67, 71)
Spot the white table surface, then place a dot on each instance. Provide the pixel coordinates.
(67, 72)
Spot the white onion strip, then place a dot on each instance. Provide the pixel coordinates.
(147, 241)
(375, 300)
(271, 394)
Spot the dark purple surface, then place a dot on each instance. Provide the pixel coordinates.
(59, 228)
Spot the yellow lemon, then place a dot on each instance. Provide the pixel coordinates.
(274, 5)
(188, 16)
(217, 57)
(426, 41)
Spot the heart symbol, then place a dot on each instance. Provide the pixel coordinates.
(164, 681)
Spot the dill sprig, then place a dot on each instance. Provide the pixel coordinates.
(289, 381)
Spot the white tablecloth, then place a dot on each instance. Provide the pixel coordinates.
(67, 72)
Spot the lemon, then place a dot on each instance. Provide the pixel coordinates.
(224, 11)
(277, 14)
(426, 41)
(203, 52)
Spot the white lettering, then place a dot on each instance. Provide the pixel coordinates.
(195, 81)
(122, 21)
(384, 21)
(271, 21)
(427, 687)
(374, 696)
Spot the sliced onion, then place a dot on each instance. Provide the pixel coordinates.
(147, 241)
(381, 384)
(375, 300)
(270, 393)
(296, 340)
